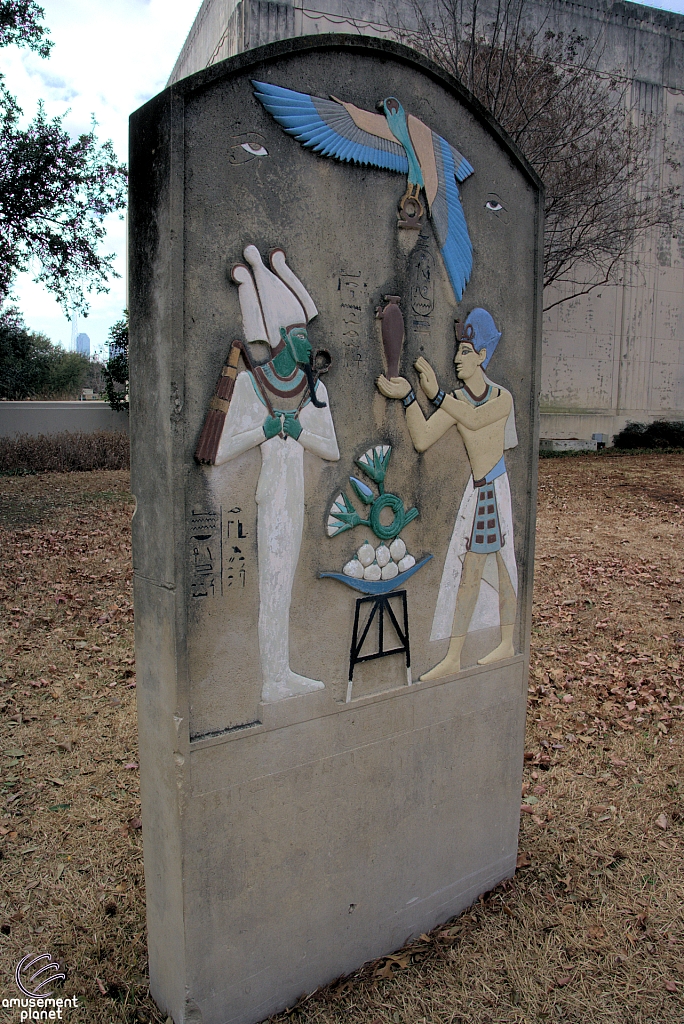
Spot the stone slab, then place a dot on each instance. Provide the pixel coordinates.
(567, 444)
(288, 838)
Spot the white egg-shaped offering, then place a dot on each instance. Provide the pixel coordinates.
(354, 569)
(382, 555)
(372, 572)
(407, 562)
(390, 570)
(397, 549)
(366, 554)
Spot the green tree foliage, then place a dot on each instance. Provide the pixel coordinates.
(20, 24)
(115, 371)
(54, 192)
(32, 367)
(659, 434)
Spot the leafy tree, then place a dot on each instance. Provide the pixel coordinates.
(115, 371)
(20, 23)
(54, 192)
(571, 119)
(32, 367)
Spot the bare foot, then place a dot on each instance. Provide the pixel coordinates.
(450, 665)
(504, 650)
(294, 686)
(302, 684)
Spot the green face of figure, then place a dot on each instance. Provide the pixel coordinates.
(298, 344)
(467, 360)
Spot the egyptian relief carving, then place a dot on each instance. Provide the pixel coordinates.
(376, 569)
(395, 141)
(422, 285)
(472, 591)
(280, 406)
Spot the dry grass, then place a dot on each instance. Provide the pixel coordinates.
(66, 452)
(590, 930)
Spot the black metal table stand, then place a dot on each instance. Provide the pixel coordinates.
(381, 607)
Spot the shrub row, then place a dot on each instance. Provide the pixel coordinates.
(65, 452)
(659, 434)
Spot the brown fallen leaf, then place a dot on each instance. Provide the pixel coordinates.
(661, 821)
(101, 987)
(596, 932)
(563, 981)
(671, 986)
(392, 963)
(341, 990)
(523, 860)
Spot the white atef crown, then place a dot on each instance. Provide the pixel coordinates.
(270, 299)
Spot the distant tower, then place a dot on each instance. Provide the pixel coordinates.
(83, 345)
(116, 349)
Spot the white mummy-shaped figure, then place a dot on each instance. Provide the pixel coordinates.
(275, 308)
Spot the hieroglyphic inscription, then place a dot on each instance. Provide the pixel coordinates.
(236, 573)
(236, 566)
(422, 294)
(206, 553)
(217, 558)
(353, 293)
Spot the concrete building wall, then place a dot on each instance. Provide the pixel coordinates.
(616, 354)
(55, 417)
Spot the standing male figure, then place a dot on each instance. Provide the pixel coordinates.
(483, 414)
(276, 308)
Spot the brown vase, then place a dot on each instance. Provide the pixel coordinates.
(392, 328)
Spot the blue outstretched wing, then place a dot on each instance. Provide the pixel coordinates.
(328, 128)
(448, 217)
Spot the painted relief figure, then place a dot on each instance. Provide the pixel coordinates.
(483, 414)
(280, 407)
(394, 141)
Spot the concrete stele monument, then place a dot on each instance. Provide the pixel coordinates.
(334, 293)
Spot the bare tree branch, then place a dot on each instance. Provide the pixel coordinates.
(573, 121)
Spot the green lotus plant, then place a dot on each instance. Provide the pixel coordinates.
(343, 515)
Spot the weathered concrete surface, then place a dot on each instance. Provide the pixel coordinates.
(55, 417)
(286, 843)
(616, 354)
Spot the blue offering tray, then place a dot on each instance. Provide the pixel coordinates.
(379, 587)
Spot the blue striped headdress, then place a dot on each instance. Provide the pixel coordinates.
(480, 330)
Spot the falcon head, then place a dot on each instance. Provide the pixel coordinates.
(392, 109)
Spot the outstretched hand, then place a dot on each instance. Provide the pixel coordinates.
(428, 377)
(397, 387)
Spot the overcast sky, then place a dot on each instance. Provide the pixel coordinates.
(108, 59)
